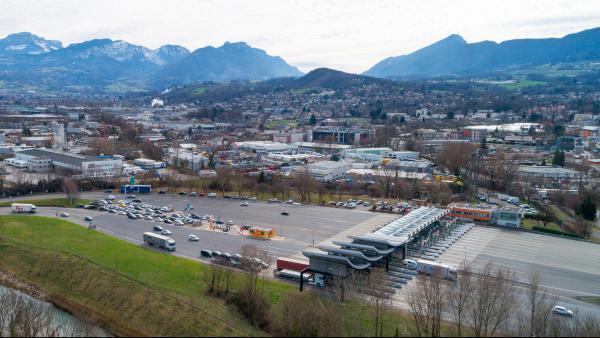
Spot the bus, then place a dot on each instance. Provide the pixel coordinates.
(140, 189)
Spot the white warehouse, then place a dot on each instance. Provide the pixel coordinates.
(328, 170)
(42, 159)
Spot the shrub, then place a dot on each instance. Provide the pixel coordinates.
(255, 307)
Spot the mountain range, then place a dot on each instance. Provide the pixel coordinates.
(29, 60)
(454, 56)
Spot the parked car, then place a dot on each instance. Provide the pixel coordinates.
(158, 228)
(206, 253)
(162, 192)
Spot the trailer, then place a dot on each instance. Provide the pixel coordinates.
(22, 208)
(160, 241)
(441, 270)
(291, 264)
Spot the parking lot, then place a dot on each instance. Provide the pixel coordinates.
(304, 223)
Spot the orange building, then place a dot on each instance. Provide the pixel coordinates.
(472, 212)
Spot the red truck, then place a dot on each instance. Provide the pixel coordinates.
(291, 264)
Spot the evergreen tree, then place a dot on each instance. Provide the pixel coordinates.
(261, 177)
(587, 209)
(484, 144)
(313, 120)
(559, 158)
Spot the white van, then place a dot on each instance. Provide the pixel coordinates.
(411, 264)
(212, 194)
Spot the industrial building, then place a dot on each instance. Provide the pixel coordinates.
(349, 136)
(548, 173)
(328, 170)
(42, 159)
(265, 147)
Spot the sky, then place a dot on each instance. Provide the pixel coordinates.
(348, 35)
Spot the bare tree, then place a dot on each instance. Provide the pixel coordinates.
(214, 277)
(70, 188)
(427, 301)
(458, 297)
(250, 300)
(492, 301)
(380, 296)
(535, 321)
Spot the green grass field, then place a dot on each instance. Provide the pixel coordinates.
(279, 123)
(520, 84)
(50, 202)
(529, 223)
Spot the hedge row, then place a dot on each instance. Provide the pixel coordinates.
(555, 232)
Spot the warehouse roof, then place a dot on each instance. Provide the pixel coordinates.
(71, 159)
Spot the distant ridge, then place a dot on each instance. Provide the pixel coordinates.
(454, 56)
(333, 79)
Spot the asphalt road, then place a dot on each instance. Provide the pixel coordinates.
(566, 268)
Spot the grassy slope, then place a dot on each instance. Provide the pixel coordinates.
(50, 202)
(155, 272)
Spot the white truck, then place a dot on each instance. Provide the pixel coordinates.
(22, 208)
(160, 241)
(430, 268)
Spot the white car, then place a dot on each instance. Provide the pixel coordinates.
(561, 310)
(64, 214)
(165, 232)
(244, 204)
(193, 238)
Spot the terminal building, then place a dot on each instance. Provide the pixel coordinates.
(388, 244)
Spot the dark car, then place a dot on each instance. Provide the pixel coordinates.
(181, 193)
(162, 192)
(80, 206)
(206, 253)
(107, 191)
(285, 213)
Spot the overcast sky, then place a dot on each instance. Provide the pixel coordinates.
(348, 35)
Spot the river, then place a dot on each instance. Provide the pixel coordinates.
(62, 318)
